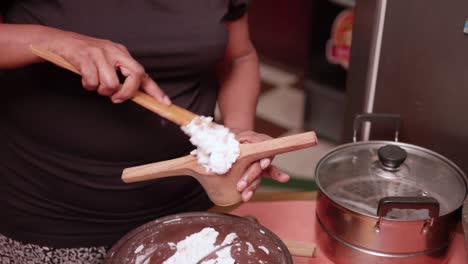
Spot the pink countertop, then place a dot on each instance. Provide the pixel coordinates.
(295, 220)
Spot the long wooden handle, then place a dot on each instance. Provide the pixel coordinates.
(173, 113)
(168, 168)
(269, 148)
(249, 152)
(301, 249)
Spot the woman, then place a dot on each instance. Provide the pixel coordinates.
(63, 147)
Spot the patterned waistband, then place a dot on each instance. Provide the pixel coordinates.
(14, 252)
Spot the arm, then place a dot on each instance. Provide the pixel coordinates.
(14, 44)
(239, 76)
(240, 87)
(96, 59)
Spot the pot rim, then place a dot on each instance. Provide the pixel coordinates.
(402, 144)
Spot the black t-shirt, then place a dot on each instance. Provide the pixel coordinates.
(63, 149)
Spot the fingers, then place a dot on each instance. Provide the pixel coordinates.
(151, 88)
(108, 80)
(251, 137)
(250, 190)
(90, 76)
(127, 90)
(136, 77)
(277, 175)
(133, 72)
(253, 172)
(264, 163)
(251, 179)
(98, 60)
(88, 70)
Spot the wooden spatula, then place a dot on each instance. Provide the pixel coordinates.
(172, 112)
(222, 189)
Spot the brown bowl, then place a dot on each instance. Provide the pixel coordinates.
(151, 243)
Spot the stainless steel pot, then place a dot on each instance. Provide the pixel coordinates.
(387, 202)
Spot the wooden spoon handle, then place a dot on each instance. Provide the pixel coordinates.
(269, 148)
(173, 113)
(175, 167)
(301, 249)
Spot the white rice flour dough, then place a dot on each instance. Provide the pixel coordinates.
(199, 245)
(217, 147)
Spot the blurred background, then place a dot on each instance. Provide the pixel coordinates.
(304, 52)
(324, 61)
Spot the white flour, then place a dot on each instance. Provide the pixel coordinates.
(138, 249)
(172, 245)
(172, 220)
(199, 245)
(217, 148)
(250, 248)
(229, 239)
(223, 257)
(143, 256)
(264, 249)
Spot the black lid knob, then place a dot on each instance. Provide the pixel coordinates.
(392, 156)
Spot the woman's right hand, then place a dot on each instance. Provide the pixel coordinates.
(98, 61)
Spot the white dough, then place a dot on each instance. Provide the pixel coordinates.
(138, 249)
(264, 249)
(199, 245)
(217, 148)
(250, 248)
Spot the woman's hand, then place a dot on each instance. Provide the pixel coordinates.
(252, 177)
(98, 61)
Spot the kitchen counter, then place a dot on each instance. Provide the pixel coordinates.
(292, 217)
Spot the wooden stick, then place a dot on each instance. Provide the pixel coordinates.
(301, 249)
(173, 113)
(248, 154)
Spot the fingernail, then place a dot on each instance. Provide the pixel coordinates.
(248, 195)
(167, 100)
(264, 163)
(241, 185)
(117, 101)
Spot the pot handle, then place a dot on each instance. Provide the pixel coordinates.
(398, 202)
(371, 117)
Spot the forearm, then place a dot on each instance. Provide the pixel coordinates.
(240, 87)
(15, 41)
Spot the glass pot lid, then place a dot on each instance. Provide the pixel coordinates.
(366, 176)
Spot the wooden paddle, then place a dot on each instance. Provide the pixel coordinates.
(222, 189)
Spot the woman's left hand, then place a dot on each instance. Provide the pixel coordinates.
(252, 177)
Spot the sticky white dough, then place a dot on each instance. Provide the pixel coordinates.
(217, 147)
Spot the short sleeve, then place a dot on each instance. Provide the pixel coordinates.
(237, 8)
